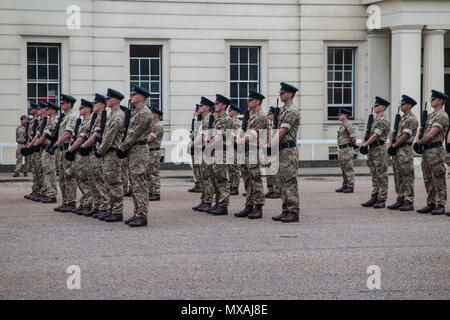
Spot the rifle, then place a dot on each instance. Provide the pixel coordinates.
(102, 126)
(41, 131)
(75, 131)
(30, 150)
(365, 150)
(418, 148)
(58, 124)
(192, 131)
(391, 150)
(276, 114)
(26, 131)
(126, 123)
(93, 118)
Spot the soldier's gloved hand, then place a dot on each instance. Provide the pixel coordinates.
(28, 151)
(121, 154)
(392, 151)
(23, 152)
(82, 151)
(447, 147)
(52, 149)
(364, 150)
(70, 156)
(97, 155)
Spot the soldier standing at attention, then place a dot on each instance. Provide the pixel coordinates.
(403, 156)
(154, 148)
(286, 140)
(124, 166)
(206, 107)
(192, 136)
(32, 130)
(67, 182)
(42, 111)
(233, 169)
(251, 170)
(134, 147)
(378, 158)
(346, 140)
(218, 169)
(433, 157)
(21, 140)
(100, 192)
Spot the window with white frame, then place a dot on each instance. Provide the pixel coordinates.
(340, 80)
(244, 73)
(43, 72)
(145, 71)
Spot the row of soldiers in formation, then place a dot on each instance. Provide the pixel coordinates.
(101, 152)
(426, 140)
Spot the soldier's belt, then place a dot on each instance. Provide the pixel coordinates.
(154, 149)
(65, 146)
(343, 146)
(287, 145)
(404, 145)
(376, 143)
(141, 143)
(432, 145)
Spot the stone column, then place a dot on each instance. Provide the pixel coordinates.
(433, 62)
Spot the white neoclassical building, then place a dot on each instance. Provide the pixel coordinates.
(337, 52)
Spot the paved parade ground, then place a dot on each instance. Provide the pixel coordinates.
(184, 254)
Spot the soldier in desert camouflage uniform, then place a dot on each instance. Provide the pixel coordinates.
(233, 168)
(195, 166)
(32, 130)
(378, 158)
(403, 156)
(433, 157)
(273, 179)
(154, 148)
(134, 147)
(21, 134)
(346, 140)
(251, 170)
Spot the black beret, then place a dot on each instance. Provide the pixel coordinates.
(42, 105)
(206, 102)
(99, 98)
(381, 102)
(51, 105)
(156, 110)
(67, 98)
(234, 107)
(85, 103)
(114, 94)
(23, 117)
(438, 95)
(140, 90)
(222, 99)
(33, 105)
(255, 95)
(344, 111)
(408, 100)
(285, 87)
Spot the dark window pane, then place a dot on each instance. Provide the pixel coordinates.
(31, 54)
(53, 55)
(338, 76)
(243, 105)
(347, 96)
(348, 56)
(234, 89)
(134, 78)
(234, 72)
(42, 91)
(330, 76)
(349, 68)
(253, 55)
(330, 96)
(31, 90)
(31, 72)
(347, 76)
(234, 55)
(253, 72)
(243, 72)
(144, 85)
(155, 87)
(145, 51)
(253, 86)
(42, 72)
(42, 55)
(53, 90)
(243, 55)
(53, 72)
(134, 66)
(154, 67)
(338, 68)
(338, 56)
(155, 78)
(243, 90)
(333, 111)
(338, 95)
(144, 78)
(144, 67)
(330, 56)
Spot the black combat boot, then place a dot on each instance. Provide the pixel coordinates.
(370, 202)
(379, 205)
(280, 216)
(268, 194)
(58, 208)
(341, 189)
(439, 210)
(291, 217)
(348, 190)
(219, 211)
(427, 209)
(138, 222)
(68, 208)
(154, 197)
(407, 206)
(127, 194)
(234, 191)
(206, 206)
(15, 175)
(101, 215)
(129, 220)
(256, 213)
(275, 195)
(198, 206)
(208, 210)
(48, 200)
(244, 213)
(104, 216)
(114, 218)
(25, 174)
(396, 205)
(195, 189)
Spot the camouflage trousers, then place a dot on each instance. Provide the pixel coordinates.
(234, 175)
(273, 180)
(221, 185)
(38, 178)
(377, 161)
(403, 166)
(153, 178)
(20, 167)
(125, 175)
(83, 175)
(434, 175)
(138, 160)
(196, 171)
(67, 182)
(288, 180)
(251, 174)
(99, 191)
(205, 183)
(346, 163)
(113, 182)
(49, 174)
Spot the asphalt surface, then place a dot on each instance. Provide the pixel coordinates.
(184, 254)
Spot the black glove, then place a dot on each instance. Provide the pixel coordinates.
(417, 148)
(392, 151)
(28, 151)
(121, 154)
(70, 156)
(97, 155)
(447, 146)
(83, 152)
(364, 150)
(52, 149)
(23, 152)
(36, 148)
